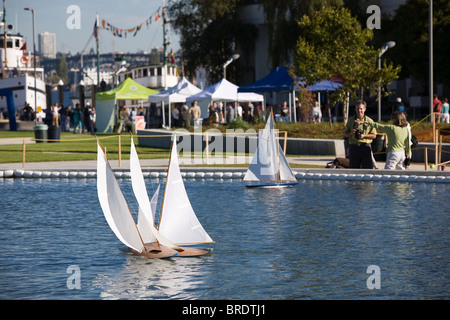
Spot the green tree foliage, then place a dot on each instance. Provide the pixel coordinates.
(282, 23)
(210, 33)
(62, 69)
(333, 44)
(410, 30)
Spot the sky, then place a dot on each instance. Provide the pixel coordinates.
(73, 30)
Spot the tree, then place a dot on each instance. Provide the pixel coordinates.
(333, 44)
(282, 23)
(410, 30)
(210, 33)
(62, 69)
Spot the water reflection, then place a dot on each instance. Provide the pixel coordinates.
(141, 278)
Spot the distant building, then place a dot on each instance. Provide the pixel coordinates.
(47, 45)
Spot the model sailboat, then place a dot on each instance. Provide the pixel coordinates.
(143, 238)
(269, 167)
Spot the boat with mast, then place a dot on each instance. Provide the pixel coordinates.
(178, 224)
(269, 167)
(19, 73)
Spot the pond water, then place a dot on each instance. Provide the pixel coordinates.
(314, 241)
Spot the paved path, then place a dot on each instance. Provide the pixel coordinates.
(161, 165)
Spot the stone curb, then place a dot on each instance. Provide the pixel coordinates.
(229, 175)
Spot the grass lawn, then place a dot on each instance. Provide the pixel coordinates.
(76, 147)
(73, 147)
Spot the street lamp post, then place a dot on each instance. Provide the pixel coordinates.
(34, 65)
(384, 48)
(230, 60)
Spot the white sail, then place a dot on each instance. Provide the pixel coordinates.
(154, 202)
(178, 221)
(286, 173)
(146, 216)
(114, 205)
(263, 166)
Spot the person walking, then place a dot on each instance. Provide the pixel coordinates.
(360, 133)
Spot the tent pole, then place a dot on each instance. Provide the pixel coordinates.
(163, 114)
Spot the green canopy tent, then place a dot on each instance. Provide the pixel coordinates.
(106, 102)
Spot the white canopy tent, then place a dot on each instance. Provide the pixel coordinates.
(225, 91)
(175, 94)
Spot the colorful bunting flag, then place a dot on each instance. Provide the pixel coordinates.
(121, 32)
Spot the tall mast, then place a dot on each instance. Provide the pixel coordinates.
(4, 38)
(276, 147)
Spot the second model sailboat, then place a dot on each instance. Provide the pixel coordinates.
(269, 167)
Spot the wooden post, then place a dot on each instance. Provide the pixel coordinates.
(426, 158)
(436, 147)
(23, 154)
(120, 152)
(207, 148)
(434, 127)
(440, 152)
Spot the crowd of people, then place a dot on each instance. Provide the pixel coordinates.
(218, 113)
(221, 113)
(69, 119)
(441, 109)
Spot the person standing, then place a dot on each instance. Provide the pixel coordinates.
(69, 119)
(445, 111)
(77, 119)
(229, 113)
(360, 133)
(399, 141)
(400, 106)
(437, 108)
(185, 119)
(195, 113)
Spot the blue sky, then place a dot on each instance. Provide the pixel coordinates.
(51, 16)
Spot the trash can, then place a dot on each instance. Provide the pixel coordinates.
(54, 133)
(41, 133)
(379, 148)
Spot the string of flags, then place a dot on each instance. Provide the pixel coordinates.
(124, 32)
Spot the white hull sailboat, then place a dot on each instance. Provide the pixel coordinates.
(178, 224)
(269, 167)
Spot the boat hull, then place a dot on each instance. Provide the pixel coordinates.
(191, 252)
(153, 251)
(273, 185)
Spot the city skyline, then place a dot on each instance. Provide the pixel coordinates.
(73, 23)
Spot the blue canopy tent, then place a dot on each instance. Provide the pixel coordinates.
(277, 80)
(280, 80)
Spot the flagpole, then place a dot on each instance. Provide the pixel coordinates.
(4, 39)
(165, 45)
(98, 51)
